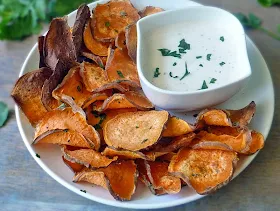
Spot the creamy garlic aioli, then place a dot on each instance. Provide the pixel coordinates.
(204, 39)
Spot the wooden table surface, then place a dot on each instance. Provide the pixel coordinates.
(25, 186)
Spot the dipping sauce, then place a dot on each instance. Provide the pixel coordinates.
(191, 56)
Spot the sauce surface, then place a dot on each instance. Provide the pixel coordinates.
(207, 58)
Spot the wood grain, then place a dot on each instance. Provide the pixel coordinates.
(25, 186)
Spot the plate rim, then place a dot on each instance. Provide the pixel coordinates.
(128, 204)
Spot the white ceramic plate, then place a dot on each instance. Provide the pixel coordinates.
(259, 89)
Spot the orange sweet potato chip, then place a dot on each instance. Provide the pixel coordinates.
(135, 130)
(124, 154)
(87, 157)
(111, 18)
(120, 41)
(27, 94)
(214, 117)
(159, 176)
(131, 41)
(203, 170)
(239, 143)
(96, 47)
(72, 86)
(177, 127)
(93, 76)
(149, 10)
(257, 142)
(74, 167)
(63, 137)
(119, 66)
(67, 119)
(119, 178)
(94, 98)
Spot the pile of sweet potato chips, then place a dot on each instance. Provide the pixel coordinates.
(86, 98)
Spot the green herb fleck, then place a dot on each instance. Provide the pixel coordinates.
(62, 106)
(102, 118)
(107, 23)
(83, 191)
(222, 63)
(182, 50)
(204, 85)
(144, 140)
(184, 45)
(213, 80)
(222, 38)
(38, 156)
(65, 130)
(186, 72)
(79, 89)
(4, 112)
(201, 65)
(208, 56)
(167, 52)
(101, 65)
(97, 127)
(95, 113)
(199, 57)
(123, 13)
(156, 73)
(120, 73)
(137, 126)
(175, 63)
(170, 74)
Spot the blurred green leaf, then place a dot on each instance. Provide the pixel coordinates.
(4, 111)
(268, 3)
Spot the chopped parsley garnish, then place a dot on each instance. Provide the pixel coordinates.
(200, 65)
(123, 13)
(182, 50)
(102, 118)
(38, 156)
(136, 126)
(208, 56)
(175, 63)
(186, 72)
(79, 89)
(62, 106)
(65, 130)
(120, 73)
(184, 45)
(144, 140)
(83, 191)
(156, 73)
(167, 52)
(101, 65)
(97, 127)
(222, 63)
(95, 113)
(213, 80)
(199, 57)
(107, 23)
(222, 38)
(170, 74)
(204, 85)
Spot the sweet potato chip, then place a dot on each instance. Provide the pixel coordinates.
(214, 117)
(123, 154)
(63, 137)
(242, 117)
(111, 18)
(177, 127)
(93, 76)
(135, 130)
(158, 175)
(87, 157)
(93, 98)
(203, 170)
(120, 41)
(92, 176)
(72, 86)
(257, 142)
(131, 41)
(149, 10)
(110, 114)
(41, 41)
(119, 178)
(138, 100)
(83, 14)
(119, 66)
(67, 119)
(239, 143)
(96, 47)
(74, 167)
(27, 94)
(97, 59)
